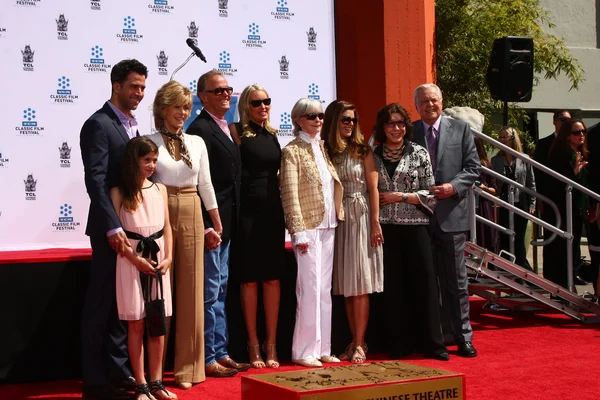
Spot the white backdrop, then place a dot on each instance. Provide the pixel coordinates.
(55, 61)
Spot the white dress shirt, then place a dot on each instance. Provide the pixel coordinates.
(330, 217)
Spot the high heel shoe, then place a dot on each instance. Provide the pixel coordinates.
(254, 357)
(359, 356)
(270, 350)
(347, 354)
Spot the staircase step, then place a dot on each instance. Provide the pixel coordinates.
(524, 289)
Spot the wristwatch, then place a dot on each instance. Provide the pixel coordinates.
(405, 197)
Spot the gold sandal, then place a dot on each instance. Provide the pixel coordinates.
(270, 350)
(254, 356)
(358, 357)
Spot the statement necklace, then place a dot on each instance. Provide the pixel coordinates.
(393, 155)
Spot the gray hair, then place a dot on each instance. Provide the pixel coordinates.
(301, 108)
(421, 88)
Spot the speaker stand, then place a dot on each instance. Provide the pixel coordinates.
(505, 114)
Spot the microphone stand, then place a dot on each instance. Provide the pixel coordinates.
(182, 65)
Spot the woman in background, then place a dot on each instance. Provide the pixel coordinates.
(521, 172)
(568, 156)
(486, 235)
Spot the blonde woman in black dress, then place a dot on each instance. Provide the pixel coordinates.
(259, 254)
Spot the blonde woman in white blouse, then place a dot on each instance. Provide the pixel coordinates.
(183, 168)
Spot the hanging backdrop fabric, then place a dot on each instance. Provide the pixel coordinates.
(56, 57)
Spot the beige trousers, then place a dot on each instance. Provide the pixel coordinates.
(188, 283)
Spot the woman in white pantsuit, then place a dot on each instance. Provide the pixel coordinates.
(311, 195)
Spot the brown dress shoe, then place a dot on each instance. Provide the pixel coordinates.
(229, 363)
(216, 370)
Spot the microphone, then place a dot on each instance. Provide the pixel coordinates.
(197, 51)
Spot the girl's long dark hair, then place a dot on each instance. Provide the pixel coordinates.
(129, 177)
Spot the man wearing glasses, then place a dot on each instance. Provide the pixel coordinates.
(225, 170)
(456, 166)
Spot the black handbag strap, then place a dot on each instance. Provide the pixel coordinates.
(147, 281)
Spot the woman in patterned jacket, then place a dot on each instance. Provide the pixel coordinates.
(410, 287)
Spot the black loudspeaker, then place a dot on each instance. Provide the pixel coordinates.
(510, 72)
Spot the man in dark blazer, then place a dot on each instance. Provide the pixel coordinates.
(542, 149)
(456, 166)
(102, 140)
(225, 170)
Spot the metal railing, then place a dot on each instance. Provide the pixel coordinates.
(567, 233)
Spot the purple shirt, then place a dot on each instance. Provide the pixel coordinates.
(436, 132)
(129, 122)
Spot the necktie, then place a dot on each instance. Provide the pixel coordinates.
(432, 146)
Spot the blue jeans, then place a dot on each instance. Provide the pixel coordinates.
(216, 272)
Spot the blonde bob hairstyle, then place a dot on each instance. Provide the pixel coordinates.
(301, 108)
(244, 111)
(172, 94)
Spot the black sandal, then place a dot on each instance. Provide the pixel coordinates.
(158, 385)
(143, 388)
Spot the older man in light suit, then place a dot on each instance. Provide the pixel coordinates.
(456, 166)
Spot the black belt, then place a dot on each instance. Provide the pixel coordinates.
(146, 245)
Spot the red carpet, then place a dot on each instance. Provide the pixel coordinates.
(521, 356)
(45, 255)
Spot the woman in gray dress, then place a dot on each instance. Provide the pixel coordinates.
(358, 256)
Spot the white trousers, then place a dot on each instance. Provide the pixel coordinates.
(312, 333)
